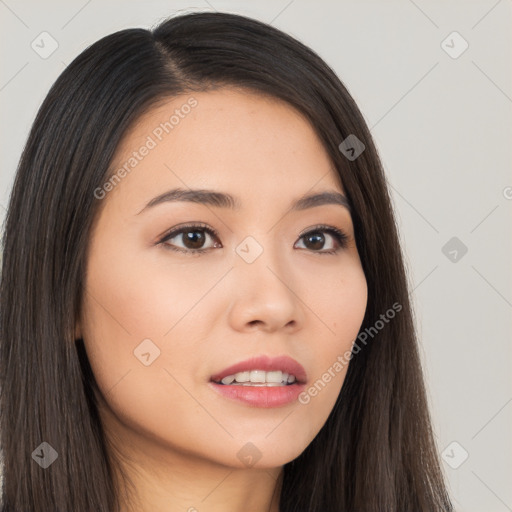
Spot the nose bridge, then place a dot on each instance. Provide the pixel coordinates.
(264, 287)
(261, 259)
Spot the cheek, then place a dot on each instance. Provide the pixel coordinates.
(339, 306)
(337, 297)
(140, 306)
(146, 293)
(127, 305)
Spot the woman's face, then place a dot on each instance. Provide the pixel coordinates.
(160, 319)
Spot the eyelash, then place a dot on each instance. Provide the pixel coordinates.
(338, 235)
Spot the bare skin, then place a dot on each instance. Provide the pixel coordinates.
(179, 440)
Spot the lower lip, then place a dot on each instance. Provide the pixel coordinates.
(261, 396)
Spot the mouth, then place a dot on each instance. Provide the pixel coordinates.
(261, 382)
(262, 371)
(258, 378)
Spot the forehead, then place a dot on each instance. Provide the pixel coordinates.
(226, 139)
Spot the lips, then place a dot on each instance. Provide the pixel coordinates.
(268, 364)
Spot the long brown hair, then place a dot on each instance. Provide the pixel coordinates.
(376, 451)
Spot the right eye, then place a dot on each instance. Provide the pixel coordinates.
(192, 237)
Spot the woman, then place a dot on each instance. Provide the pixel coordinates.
(266, 360)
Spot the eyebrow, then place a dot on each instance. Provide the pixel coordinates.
(223, 200)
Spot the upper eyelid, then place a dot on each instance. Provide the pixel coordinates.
(323, 227)
(180, 229)
(183, 228)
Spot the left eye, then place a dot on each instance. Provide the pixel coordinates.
(316, 238)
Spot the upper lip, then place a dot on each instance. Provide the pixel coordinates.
(284, 363)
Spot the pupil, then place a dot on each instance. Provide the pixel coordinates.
(197, 241)
(319, 240)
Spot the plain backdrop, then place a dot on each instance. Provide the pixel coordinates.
(433, 80)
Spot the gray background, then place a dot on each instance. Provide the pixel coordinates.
(442, 126)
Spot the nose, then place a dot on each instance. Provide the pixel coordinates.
(265, 297)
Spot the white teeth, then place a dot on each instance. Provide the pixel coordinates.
(259, 385)
(242, 376)
(259, 377)
(274, 376)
